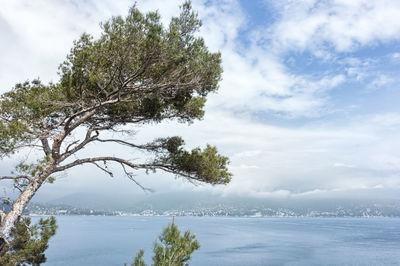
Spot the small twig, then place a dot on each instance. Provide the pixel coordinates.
(103, 169)
(131, 177)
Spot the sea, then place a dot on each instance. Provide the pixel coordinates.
(114, 240)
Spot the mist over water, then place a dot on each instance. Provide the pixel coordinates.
(98, 240)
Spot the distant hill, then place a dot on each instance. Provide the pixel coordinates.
(210, 204)
(97, 201)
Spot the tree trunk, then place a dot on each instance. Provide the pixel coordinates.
(20, 203)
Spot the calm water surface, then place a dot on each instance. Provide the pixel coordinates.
(97, 240)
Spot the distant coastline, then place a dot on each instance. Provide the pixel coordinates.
(40, 209)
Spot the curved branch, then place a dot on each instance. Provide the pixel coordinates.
(125, 143)
(95, 159)
(15, 177)
(152, 166)
(131, 177)
(122, 162)
(103, 169)
(170, 169)
(88, 138)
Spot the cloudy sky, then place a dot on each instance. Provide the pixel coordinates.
(308, 104)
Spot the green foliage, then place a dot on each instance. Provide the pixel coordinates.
(207, 165)
(171, 248)
(139, 261)
(198, 165)
(161, 65)
(174, 249)
(28, 243)
(30, 169)
(23, 110)
(156, 73)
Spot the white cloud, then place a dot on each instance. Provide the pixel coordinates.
(267, 158)
(251, 153)
(37, 35)
(391, 120)
(380, 81)
(344, 165)
(345, 25)
(257, 80)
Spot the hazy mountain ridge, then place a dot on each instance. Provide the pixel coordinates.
(199, 204)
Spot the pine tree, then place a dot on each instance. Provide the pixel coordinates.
(28, 242)
(171, 249)
(137, 73)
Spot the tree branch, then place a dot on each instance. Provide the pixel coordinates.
(152, 166)
(95, 159)
(103, 169)
(88, 138)
(125, 143)
(131, 177)
(15, 177)
(46, 146)
(2, 215)
(122, 162)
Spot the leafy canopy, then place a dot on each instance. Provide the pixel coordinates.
(137, 72)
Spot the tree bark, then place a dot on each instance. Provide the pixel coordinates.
(11, 218)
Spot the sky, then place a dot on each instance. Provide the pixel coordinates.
(308, 105)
